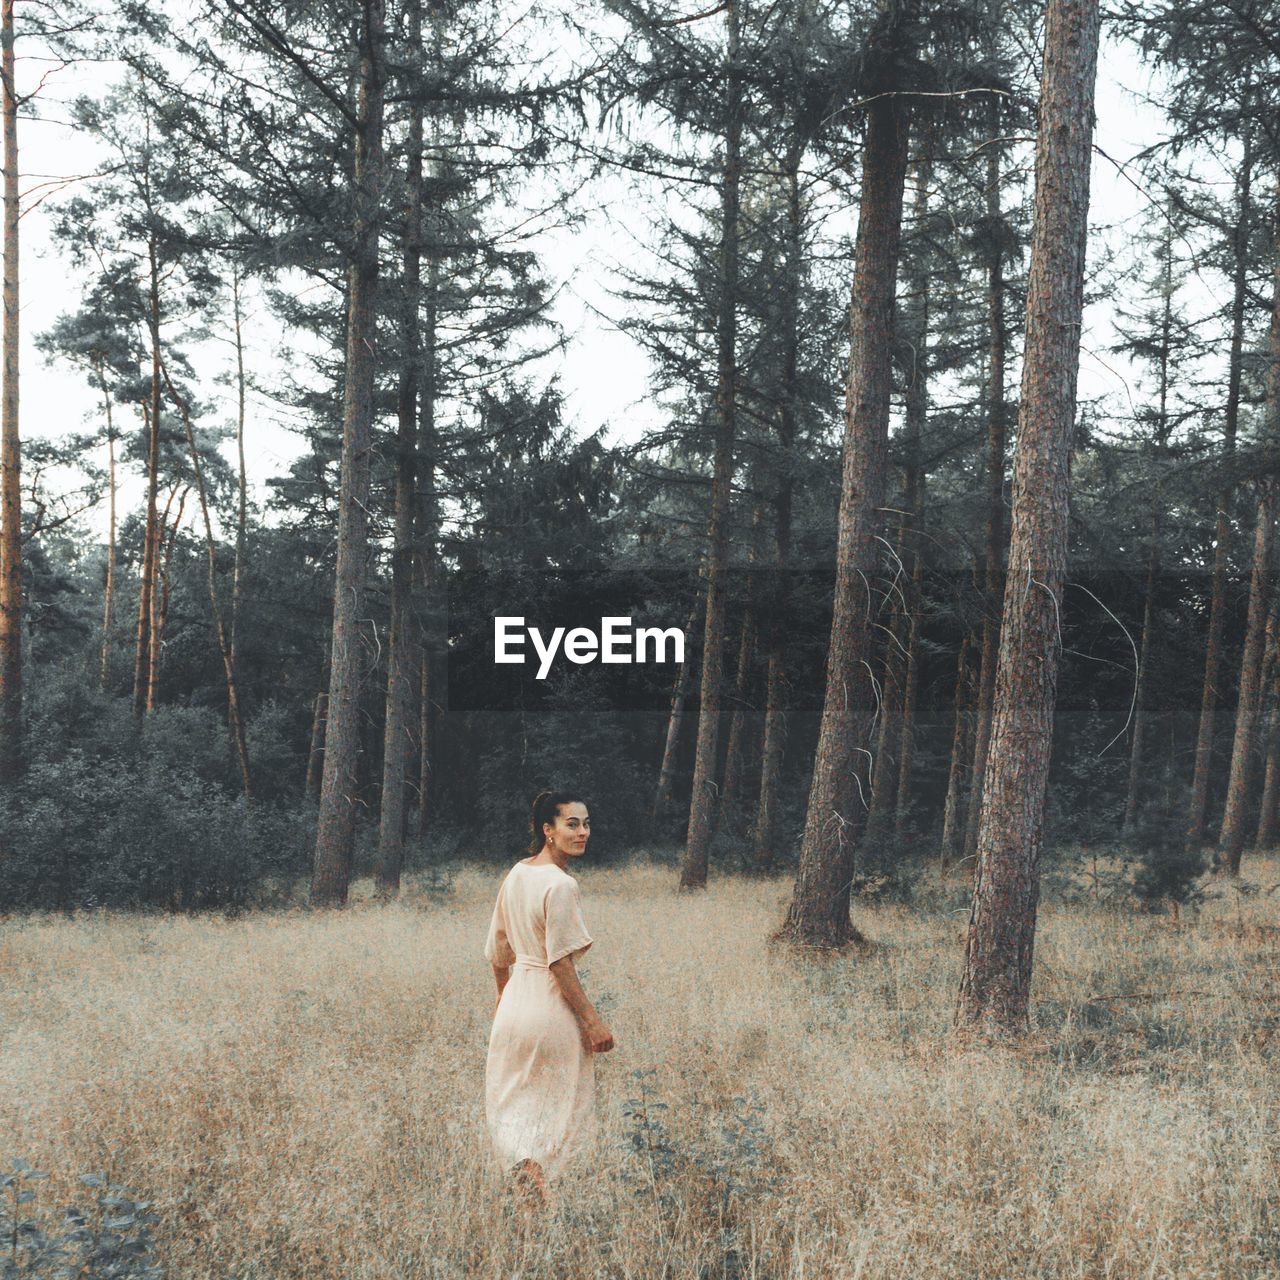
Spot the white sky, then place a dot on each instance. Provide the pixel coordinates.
(604, 374)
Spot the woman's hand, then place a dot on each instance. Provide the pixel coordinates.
(596, 1037)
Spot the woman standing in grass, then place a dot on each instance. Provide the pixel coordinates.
(540, 1074)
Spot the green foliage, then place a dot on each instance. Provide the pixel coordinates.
(112, 1239)
(146, 832)
(1168, 870)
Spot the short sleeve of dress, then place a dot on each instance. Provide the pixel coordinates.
(566, 930)
(497, 947)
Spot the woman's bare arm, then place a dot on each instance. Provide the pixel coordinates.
(501, 975)
(595, 1035)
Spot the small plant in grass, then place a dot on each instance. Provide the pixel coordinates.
(1168, 871)
(113, 1239)
(732, 1167)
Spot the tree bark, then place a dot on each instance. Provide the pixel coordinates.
(12, 753)
(426, 564)
(775, 717)
(108, 594)
(1222, 532)
(997, 431)
(402, 661)
(819, 910)
(1265, 838)
(335, 828)
(995, 987)
(1232, 836)
(242, 497)
(144, 660)
(693, 871)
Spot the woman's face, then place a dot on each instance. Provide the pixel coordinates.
(571, 830)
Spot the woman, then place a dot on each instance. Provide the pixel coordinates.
(539, 1076)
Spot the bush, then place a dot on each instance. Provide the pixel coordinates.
(111, 1240)
(1167, 870)
(144, 833)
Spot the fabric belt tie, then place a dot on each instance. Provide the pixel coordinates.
(532, 962)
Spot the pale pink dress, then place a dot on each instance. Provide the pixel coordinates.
(539, 1077)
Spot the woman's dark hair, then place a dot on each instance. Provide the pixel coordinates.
(546, 808)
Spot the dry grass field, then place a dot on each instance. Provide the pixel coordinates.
(301, 1095)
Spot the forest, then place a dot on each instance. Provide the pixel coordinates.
(959, 484)
(212, 687)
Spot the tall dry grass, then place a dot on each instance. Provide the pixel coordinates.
(302, 1095)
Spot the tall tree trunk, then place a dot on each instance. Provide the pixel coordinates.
(775, 717)
(1222, 531)
(335, 828)
(236, 719)
(108, 594)
(167, 533)
(906, 732)
(735, 749)
(693, 872)
(671, 745)
(997, 432)
(735, 752)
(914, 425)
(1232, 836)
(315, 756)
(884, 772)
(242, 497)
(1141, 693)
(11, 746)
(144, 659)
(819, 910)
(1265, 838)
(996, 983)
(1244, 744)
(427, 568)
(961, 738)
(402, 661)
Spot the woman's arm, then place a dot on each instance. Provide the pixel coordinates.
(595, 1035)
(501, 975)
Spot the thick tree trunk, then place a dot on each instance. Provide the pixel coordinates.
(335, 828)
(819, 910)
(1217, 598)
(11, 746)
(403, 665)
(996, 983)
(997, 432)
(693, 871)
(1232, 836)
(773, 745)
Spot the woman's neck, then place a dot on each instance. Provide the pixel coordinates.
(549, 855)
